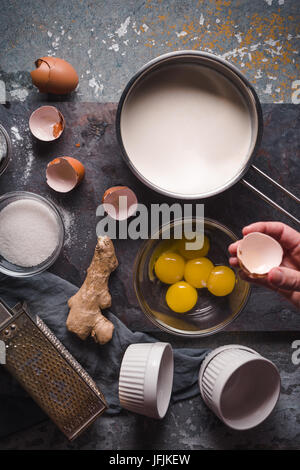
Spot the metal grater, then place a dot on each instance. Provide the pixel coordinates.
(48, 372)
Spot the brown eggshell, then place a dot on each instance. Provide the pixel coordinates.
(252, 275)
(64, 174)
(111, 202)
(258, 253)
(47, 123)
(54, 75)
(40, 76)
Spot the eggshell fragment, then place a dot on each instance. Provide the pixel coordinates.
(46, 123)
(258, 253)
(54, 75)
(64, 174)
(120, 202)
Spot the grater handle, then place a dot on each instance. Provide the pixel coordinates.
(5, 313)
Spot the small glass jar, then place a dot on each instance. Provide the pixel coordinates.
(13, 270)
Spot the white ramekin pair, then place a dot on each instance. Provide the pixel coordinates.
(239, 385)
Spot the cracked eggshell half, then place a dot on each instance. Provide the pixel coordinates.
(64, 174)
(258, 253)
(120, 202)
(54, 75)
(46, 123)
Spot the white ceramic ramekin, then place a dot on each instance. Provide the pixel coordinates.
(146, 379)
(239, 385)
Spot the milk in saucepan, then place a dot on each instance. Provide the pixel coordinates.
(186, 129)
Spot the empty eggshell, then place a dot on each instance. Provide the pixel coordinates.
(258, 253)
(119, 202)
(46, 123)
(54, 75)
(64, 174)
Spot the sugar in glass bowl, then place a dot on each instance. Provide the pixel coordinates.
(210, 314)
(44, 252)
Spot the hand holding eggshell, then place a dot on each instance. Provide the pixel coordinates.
(283, 276)
(258, 253)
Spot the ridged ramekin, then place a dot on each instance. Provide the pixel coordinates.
(239, 385)
(146, 379)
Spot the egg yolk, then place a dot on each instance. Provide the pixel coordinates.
(181, 297)
(169, 268)
(221, 281)
(197, 271)
(191, 254)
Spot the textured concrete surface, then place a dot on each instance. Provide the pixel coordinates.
(107, 42)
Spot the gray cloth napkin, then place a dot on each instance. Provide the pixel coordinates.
(47, 296)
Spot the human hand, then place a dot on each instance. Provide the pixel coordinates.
(286, 278)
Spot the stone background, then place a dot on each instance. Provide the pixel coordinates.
(107, 42)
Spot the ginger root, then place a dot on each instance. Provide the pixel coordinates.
(85, 317)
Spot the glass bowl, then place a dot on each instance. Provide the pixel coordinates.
(11, 269)
(211, 314)
(5, 149)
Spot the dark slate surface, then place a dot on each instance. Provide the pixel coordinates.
(188, 425)
(92, 126)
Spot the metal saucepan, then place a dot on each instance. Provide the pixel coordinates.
(250, 97)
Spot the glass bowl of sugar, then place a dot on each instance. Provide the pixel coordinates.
(31, 234)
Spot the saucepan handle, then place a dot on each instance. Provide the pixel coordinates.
(269, 200)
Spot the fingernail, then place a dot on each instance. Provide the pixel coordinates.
(276, 277)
